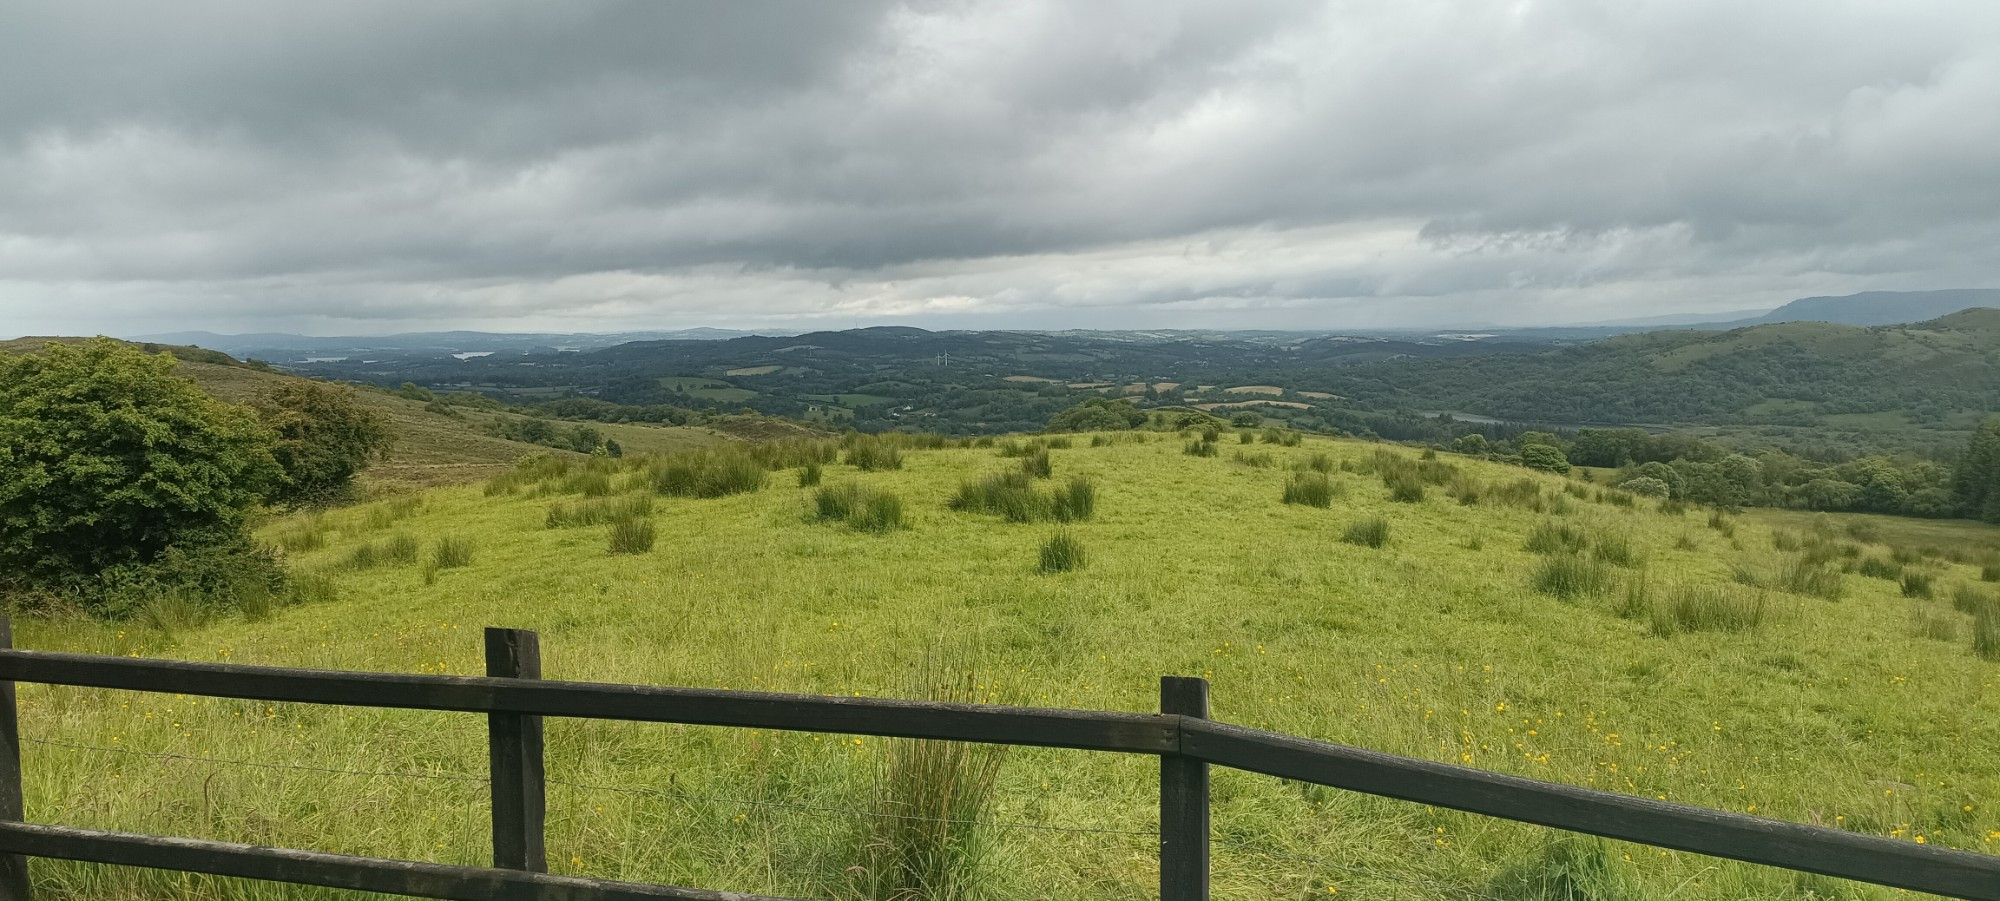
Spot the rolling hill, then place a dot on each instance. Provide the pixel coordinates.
(429, 448)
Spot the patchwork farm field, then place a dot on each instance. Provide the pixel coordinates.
(1809, 668)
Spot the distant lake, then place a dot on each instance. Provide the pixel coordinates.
(473, 353)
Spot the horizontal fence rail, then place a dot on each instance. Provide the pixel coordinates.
(1182, 736)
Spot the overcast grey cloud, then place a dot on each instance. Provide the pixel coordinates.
(375, 166)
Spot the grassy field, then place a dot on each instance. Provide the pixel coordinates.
(1715, 660)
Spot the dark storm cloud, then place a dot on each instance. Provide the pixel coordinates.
(596, 165)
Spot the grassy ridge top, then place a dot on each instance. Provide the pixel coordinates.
(1867, 711)
(430, 448)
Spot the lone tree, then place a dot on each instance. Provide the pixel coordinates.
(107, 460)
(325, 436)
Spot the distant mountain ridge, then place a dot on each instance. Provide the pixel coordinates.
(1878, 307)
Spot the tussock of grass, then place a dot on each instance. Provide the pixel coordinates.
(1370, 532)
(1986, 632)
(1406, 489)
(1570, 868)
(1990, 572)
(597, 512)
(809, 475)
(1808, 577)
(1571, 576)
(308, 535)
(397, 550)
(1013, 496)
(1522, 493)
(1917, 584)
(1318, 462)
(1932, 624)
(1254, 459)
(862, 509)
(1551, 537)
(452, 552)
(1200, 449)
(1309, 488)
(873, 454)
(1968, 599)
(706, 474)
(1037, 464)
(1061, 553)
(1466, 489)
(925, 838)
(1878, 568)
(1709, 608)
(1617, 550)
(631, 535)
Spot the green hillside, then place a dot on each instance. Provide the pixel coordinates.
(430, 448)
(1884, 384)
(1748, 663)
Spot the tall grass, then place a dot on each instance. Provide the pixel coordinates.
(1551, 537)
(706, 473)
(1571, 576)
(1709, 608)
(1062, 552)
(1200, 449)
(1968, 599)
(1878, 568)
(1309, 488)
(1617, 550)
(597, 512)
(397, 550)
(1037, 464)
(1803, 576)
(1986, 632)
(1013, 496)
(809, 475)
(452, 552)
(1075, 501)
(1406, 489)
(861, 509)
(924, 837)
(1370, 532)
(1917, 584)
(871, 454)
(631, 535)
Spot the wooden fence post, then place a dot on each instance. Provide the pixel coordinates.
(520, 798)
(13, 807)
(1183, 800)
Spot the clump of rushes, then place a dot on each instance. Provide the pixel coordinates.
(1062, 553)
(927, 838)
(631, 535)
(397, 550)
(1013, 497)
(597, 512)
(1986, 632)
(1406, 488)
(1916, 584)
(1551, 537)
(1037, 464)
(1246, 437)
(1990, 572)
(1370, 532)
(1075, 501)
(1309, 488)
(1617, 550)
(1571, 576)
(809, 475)
(861, 509)
(451, 552)
(707, 473)
(1711, 608)
(1878, 568)
(1802, 576)
(1199, 449)
(1968, 599)
(870, 454)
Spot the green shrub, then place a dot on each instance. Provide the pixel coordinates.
(1673, 506)
(451, 552)
(1551, 537)
(1370, 532)
(1310, 488)
(1037, 464)
(1638, 600)
(809, 475)
(1062, 553)
(1570, 576)
(1618, 499)
(631, 535)
(1917, 584)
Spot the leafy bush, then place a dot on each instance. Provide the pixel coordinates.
(1570, 576)
(1062, 553)
(1246, 437)
(325, 435)
(110, 460)
(1309, 488)
(1544, 458)
(1370, 532)
(1646, 486)
(631, 535)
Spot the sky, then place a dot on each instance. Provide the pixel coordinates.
(370, 167)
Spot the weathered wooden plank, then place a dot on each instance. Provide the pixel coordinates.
(1183, 800)
(1086, 730)
(13, 867)
(514, 745)
(1832, 852)
(367, 874)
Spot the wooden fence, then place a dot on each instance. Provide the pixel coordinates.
(515, 698)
